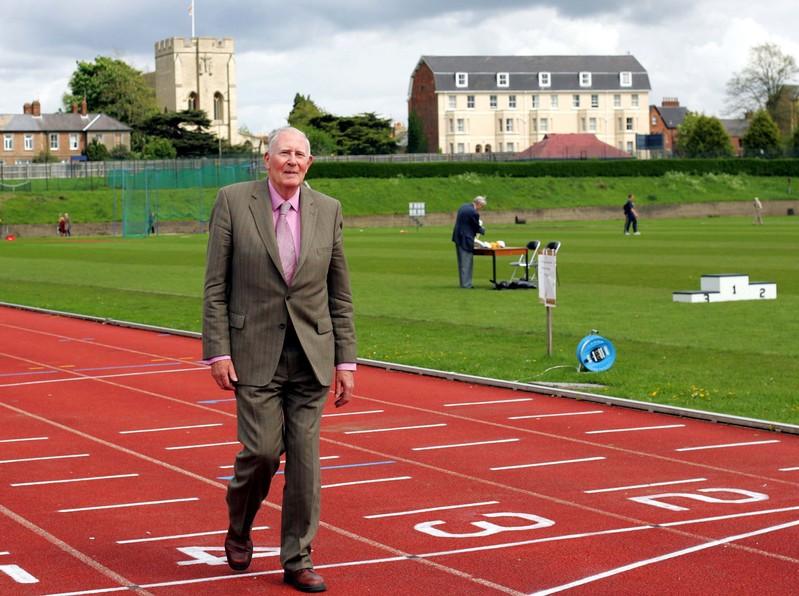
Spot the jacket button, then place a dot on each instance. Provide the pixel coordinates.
(282, 325)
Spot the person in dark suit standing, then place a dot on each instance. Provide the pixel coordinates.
(277, 321)
(630, 216)
(467, 226)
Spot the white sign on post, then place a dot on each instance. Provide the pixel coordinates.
(416, 209)
(547, 277)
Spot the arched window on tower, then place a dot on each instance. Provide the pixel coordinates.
(478, 149)
(219, 106)
(488, 148)
(192, 103)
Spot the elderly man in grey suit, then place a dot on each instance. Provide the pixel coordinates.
(467, 226)
(277, 321)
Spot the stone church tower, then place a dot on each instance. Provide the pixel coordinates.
(199, 73)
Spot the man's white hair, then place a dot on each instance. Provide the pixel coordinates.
(273, 136)
(479, 200)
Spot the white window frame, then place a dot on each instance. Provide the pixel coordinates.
(585, 79)
(511, 102)
(543, 125)
(595, 100)
(461, 80)
(492, 102)
(635, 101)
(536, 102)
(554, 102)
(617, 100)
(576, 100)
(592, 123)
(503, 79)
(53, 140)
(450, 125)
(629, 124)
(625, 78)
(74, 142)
(510, 147)
(28, 142)
(544, 79)
(630, 147)
(8, 142)
(508, 124)
(460, 125)
(461, 148)
(470, 102)
(452, 101)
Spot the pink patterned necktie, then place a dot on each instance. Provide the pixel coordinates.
(285, 243)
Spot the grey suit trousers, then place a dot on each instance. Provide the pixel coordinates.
(283, 416)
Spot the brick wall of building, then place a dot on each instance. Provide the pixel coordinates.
(423, 102)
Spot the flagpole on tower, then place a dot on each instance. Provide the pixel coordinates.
(191, 12)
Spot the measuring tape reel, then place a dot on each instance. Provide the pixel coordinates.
(595, 353)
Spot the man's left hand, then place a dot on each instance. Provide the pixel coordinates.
(344, 384)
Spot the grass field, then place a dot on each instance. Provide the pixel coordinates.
(391, 196)
(736, 357)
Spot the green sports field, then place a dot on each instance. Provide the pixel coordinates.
(734, 357)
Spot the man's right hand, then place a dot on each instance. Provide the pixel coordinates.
(224, 374)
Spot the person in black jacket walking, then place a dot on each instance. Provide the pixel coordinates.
(467, 226)
(630, 217)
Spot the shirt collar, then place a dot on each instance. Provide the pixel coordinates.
(277, 200)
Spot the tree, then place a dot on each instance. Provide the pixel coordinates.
(703, 136)
(303, 111)
(186, 130)
(763, 137)
(114, 88)
(795, 142)
(96, 151)
(362, 134)
(417, 142)
(760, 84)
(158, 148)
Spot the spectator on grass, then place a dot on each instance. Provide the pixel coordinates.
(277, 319)
(62, 225)
(758, 206)
(467, 226)
(630, 216)
(67, 224)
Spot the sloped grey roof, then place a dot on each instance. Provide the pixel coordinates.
(523, 72)
(735, 127)
(61, 123)
(672, 116)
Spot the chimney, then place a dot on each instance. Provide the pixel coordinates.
(83, 107)
(74, 109)
(670, 102)
(36, 108)
(26, 109)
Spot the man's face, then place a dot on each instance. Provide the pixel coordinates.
(288, 162)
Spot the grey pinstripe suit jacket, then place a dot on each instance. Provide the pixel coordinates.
(246, 301)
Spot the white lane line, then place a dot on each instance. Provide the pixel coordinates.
(237, 576)
(123, 505)
(177, 447)
(666, 557)
(554, 415)
(24, 439)
(97, 377)
(353, 413)
(178, 536)
(429, 509)
(464, 444)
(632, 486)
(627, 430)
(376, 480)
(282, 461)
(87, 479)
(727, 445)
(5, 552)
(156, 430)
(548, 463)
(387, 430)
(14, 461)
(789, 469)
(490, 402)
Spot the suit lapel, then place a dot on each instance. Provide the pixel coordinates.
(308, 224)
(261, 209)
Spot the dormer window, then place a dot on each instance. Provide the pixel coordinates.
(626, 79)
(544, 79)
(585, 79)
(503, 79)
(461, 79)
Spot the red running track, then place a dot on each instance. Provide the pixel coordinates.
(115, 448)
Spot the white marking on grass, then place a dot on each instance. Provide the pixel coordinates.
(548, 463)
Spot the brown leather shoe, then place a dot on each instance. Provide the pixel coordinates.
(304, 580)
(237, 551)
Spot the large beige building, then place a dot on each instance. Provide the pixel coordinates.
(198, 73)
(474, 104)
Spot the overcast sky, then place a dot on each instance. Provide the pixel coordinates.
(356, 56)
